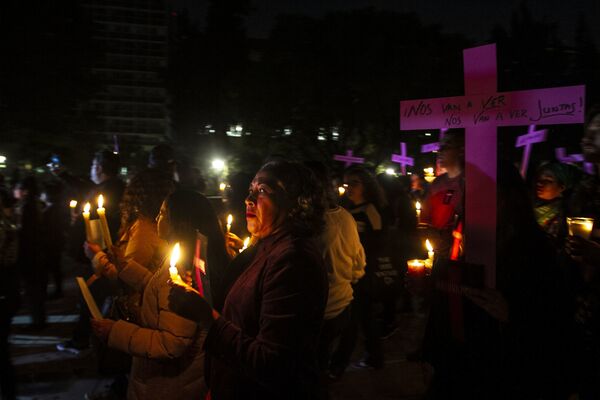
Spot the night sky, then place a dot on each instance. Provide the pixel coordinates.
(473, 18)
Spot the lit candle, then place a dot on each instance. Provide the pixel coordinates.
(341, 190)
(86, 219)
(418, 208)
(416, 267)
(579, 226)
(102, 214)
(222, 186)
(229, 221)
(73, 204)
(246, 243)
(430, 254)
(173, 272)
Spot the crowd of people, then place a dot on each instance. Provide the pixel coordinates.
(281, 317)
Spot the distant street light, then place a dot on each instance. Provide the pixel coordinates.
(218, 164)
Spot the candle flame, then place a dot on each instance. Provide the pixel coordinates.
(73, 203)
(87, 207)
(229, 219)
(100, 201)
(175, 253)
(341, 190)
(418, 205)
(246, 242)
(222, 187)
(428, 245)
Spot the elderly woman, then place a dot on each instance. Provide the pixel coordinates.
(263, 346)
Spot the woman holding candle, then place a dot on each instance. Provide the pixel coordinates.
(168, 360)
(586, 203)
(138, 238)
(264, 343)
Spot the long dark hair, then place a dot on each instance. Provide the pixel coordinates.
(189, 211)
(143, 196)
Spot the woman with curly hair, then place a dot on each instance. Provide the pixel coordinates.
(138, 238)
(263, 345)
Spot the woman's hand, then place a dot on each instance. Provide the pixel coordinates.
(188, 303)
(582, 249)
(490, 300)
(102, 328)
(90, 249)
(233, 244)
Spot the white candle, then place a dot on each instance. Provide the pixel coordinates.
(229, 221)
(430, 254)
(175, 254)
(86, 220)
(102, 214)
(246, 243)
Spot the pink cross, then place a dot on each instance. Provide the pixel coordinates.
(532, 136)
(349, 159)
(480, 112)
(403, 158)
(561, 155)
(435, 146)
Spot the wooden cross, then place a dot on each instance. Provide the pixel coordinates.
(403, 158)
(349, 159)
(532, 136)
(480, 112)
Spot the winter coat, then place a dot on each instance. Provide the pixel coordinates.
(168, 360)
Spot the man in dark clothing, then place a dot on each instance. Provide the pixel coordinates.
(104, 173)
(54, 225)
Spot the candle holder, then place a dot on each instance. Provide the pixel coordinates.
(580, 226)
(416, 268)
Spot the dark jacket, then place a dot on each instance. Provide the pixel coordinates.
(264, 344)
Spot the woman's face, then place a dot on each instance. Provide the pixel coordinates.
(265, 210)
(590, 143)
(355, 190)
(162, 222)
(547, 187)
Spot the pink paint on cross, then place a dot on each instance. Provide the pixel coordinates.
(532, 136)
(349, 158)
(562, 156)
(480, 112)
(403, 158)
